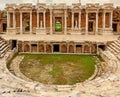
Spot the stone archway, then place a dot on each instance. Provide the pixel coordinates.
(41, 48)
(71, 49)
(78, 48)
(94, 48)
(34, 47)
(86, 49)
(48, 48)
(63, 48)
(26, 48)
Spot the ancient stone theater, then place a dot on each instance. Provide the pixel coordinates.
(60, 27)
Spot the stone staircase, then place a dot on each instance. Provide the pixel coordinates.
(4, 47)
(114, 48)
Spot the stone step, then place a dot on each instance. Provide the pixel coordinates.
(117, 43)
(1, 44)
(110, 55)
(2, 55)
(3, 47)
(116, 50)
(118, 56)
(2, 41)
(111, 50)
(117, 46)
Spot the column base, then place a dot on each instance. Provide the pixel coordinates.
(107, 31)
(40, 31)
(11, 31)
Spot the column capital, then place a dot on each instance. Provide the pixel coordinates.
(44, 11)
(87, 12)
(21, 12)
(96, 12)
(73, 12)
(79, 12)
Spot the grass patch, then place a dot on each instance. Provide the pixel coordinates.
(58, 68)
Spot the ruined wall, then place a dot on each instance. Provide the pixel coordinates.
(64, 47)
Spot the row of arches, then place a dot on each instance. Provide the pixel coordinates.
(60, 47)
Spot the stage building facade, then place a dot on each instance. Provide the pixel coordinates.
(59, 19)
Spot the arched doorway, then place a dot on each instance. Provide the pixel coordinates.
(26, 48)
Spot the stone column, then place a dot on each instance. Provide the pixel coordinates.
(72, 20)
(30, 22)
(86, 22)
(37, 46)
(65, 20)
(14, 20)
(51, 29)
(111, 17)
(104, 14)
(8, 21)
(67, 43)
(45, 47)
(23, 46)
(44, 19)
(90, 45)
(21, 23)
(38, 19)
(74, 47)
(96, 22)
(82, 48)
(79, 20)
(30, 47)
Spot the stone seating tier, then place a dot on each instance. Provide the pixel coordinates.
(4, 47)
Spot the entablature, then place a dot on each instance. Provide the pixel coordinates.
(25, 7)
(41, 7)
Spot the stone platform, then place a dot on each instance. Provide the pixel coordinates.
(75, 38)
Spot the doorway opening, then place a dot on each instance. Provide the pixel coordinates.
(90, 27)
(114, 26)
(27, 26)
(14, 44)
(58, 24)
(56, 48)
(102, 47)
(4, 27)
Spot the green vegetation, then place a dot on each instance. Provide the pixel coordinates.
(58, 26)
(58, 68)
